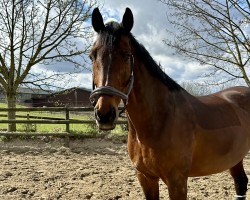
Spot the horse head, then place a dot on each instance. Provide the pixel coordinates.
(113, 63)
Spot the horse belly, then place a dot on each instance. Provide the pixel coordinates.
(219, 150)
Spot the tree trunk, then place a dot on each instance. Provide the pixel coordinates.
(11, 102)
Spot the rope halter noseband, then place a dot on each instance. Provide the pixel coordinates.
(108, 90)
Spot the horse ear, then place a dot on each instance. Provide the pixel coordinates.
(97, 20)
(128, 20)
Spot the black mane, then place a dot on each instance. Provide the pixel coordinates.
(113, 32)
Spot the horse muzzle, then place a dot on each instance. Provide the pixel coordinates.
(106, 111)
(106, 120)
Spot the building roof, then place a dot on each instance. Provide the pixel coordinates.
(24, 90)
(71, 89)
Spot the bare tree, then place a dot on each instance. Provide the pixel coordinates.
(195, 88)
(214, 33)
(39, 32)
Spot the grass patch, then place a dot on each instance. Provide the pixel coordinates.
(87, 129)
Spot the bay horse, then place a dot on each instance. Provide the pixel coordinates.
(172, 134)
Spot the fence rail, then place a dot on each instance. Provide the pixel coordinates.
(50, 109)
(30, 119)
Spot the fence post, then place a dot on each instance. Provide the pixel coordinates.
(66, 139)
(67, 118)
(28, 126)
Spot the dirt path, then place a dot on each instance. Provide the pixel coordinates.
(89, 169)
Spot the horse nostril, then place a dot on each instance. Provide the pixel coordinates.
(97, 115)
(107, 117)
(112, 113)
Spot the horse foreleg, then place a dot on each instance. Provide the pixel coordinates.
(177, 187)
(150, 186)
(240, 180)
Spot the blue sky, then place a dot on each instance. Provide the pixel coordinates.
(150, 30)
(150, 23)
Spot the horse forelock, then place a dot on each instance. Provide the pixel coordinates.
(111, 34)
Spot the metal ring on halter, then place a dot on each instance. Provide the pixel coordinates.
(108, 90)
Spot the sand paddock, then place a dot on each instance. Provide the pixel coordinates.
(87, 169)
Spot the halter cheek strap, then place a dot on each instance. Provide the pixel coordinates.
(108, 90)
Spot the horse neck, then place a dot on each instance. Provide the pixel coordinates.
(149, 100)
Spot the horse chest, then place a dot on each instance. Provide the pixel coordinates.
(144, 158)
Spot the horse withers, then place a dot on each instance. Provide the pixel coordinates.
(172, 134)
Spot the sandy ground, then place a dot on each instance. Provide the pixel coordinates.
(88, 169)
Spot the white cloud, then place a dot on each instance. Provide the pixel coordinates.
(149, 29)
(62, 79)
(150, 23)
(83, 80)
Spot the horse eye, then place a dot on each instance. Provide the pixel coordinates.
(92, 56)
(127, 55)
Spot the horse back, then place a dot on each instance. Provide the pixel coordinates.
(238, 96)
(222, 109)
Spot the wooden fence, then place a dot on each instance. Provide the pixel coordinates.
(46, 120)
